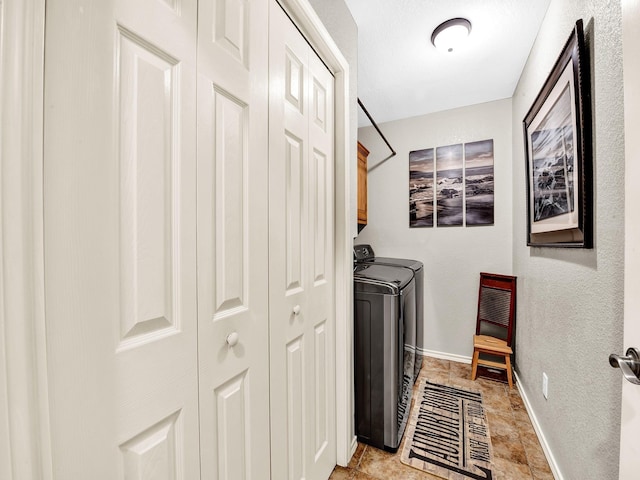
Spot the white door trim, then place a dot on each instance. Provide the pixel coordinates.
(24, 408)
(308, 22)
(25, 449)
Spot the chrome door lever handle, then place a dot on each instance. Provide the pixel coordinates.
(629, 364)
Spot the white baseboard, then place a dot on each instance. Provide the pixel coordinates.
(354, 445)
(538, 429)
(446, 356)
(352, 450)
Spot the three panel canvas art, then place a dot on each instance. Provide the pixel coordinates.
(452, 185)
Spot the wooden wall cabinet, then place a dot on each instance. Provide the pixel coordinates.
(363, 153)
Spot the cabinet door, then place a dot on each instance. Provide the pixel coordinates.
(362, 184)
(301, 294)
(232, 238)
(119, 239)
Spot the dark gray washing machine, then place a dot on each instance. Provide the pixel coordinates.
(384, 304)
(364, 254)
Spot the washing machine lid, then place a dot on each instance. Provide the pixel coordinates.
(388, 278)
(414, 265)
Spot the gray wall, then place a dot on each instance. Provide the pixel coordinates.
(453, 256)
(570, 302)
(337, 18)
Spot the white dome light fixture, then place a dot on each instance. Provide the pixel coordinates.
(450, 34)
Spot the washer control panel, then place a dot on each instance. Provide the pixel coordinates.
(362, 253)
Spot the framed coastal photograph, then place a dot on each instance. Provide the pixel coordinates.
(557, 134)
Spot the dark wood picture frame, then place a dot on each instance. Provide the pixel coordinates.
(558, 153)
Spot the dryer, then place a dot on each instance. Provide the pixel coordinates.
(365, 254)
(384, 304)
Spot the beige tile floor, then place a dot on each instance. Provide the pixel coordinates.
(517, 454)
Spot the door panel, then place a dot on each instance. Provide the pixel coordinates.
(232, 248)
(158, 449)
(227, 211)
(318, 191)
(146, 83)
(630, 421)
(233, 428)
(294, 211)
(300, 251)
(119, 216)
(295, 421)
(321, 254)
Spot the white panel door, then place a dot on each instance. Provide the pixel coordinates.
(232, 239)
(302, 324)
(120, 238)
(630, 423)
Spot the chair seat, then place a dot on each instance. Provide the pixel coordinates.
(491, 344)
(495, 323)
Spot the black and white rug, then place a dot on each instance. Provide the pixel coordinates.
(448, 434)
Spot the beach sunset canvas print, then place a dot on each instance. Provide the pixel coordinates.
(478, 157)
(452, 185)
(421, 188)
(449, 181)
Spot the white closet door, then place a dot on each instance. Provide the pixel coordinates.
(301, 294)
(119, 216)
(232, 239)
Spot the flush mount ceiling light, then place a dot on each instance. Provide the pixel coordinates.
(450, 34)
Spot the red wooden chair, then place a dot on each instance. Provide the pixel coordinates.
(495, 324)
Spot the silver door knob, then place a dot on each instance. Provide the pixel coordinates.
(232, 339)
(296, 310)
(629, 364)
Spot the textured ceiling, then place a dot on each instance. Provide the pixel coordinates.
(401, 74)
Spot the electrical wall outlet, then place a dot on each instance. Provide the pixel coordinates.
(545, 385)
